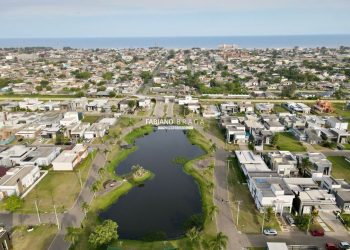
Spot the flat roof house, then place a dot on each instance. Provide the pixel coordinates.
(270, 190)
(40, 156)
(17, 180)
(250, 162)
(13, 155)
(284, 162)
(69, 159)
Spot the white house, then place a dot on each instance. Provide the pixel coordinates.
(187, 100)
(144, 103)
(69, 118)
(333, 122)
(68, 159)
(96, 130)
(17, 180)
(270, 191)
(40, 156)
(13, 155)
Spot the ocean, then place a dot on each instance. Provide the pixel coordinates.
(305, 41)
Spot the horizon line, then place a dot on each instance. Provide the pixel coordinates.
(181, 36)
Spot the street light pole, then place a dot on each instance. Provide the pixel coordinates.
(238, 204)
(37, 212)
(58, 224)
(263, 222)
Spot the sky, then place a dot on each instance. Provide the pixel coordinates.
(158, 18)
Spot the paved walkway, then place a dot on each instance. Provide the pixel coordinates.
(75, 216)
(225, 223)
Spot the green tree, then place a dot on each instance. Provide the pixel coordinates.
(275, 138)
(104, 233)
(219, 242)
(44, 83)
(131, 104)
(269, 213)
(13, 203)
(38, 88)
(112, 94)
(213, 148)
(107, 76)
(212, 210)
(304, 166)
(85, 207)
(101, 172)
(146, 76)
(194, 236)
(72, 234)
(314, 215)
(95, 187)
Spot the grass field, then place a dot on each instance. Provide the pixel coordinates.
(40, 238)
(250, 219)
(59, 188)
(340, 167)
(341, 110)
(278, 108)
(287, 142)
(91, 118)
(198, 139)
(212, 126)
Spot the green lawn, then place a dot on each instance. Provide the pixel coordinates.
(278, 108)
(212, 126)
(250, 219)
(91, 118)
(59, 188)
(341, 110)
(198, 139)
(139, 132)
(340, 167)
(286, 141)
(40, 238)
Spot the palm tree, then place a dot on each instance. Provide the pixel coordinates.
(219, 242)
(193, 235)
(269, 213)
(95, 187)
(314, 215)
(213, 148)
(212, 211)
(305, 165)
(85, 207)
(72, 234)
(101, 171)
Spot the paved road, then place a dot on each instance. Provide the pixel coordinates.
(159, 109)
(10, 220)
(170, 109)
(224, 217)
(75, 215)
(297, 238)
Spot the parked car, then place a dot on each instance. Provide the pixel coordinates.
(317, 232)
(270, 232)
(344, 245)
(290, 220)
(331, 246)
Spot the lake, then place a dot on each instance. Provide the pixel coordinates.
(164, 203)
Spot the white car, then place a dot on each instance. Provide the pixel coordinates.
(344, 245)
(270, 232)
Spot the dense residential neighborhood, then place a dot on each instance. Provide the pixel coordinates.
(270, 127)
